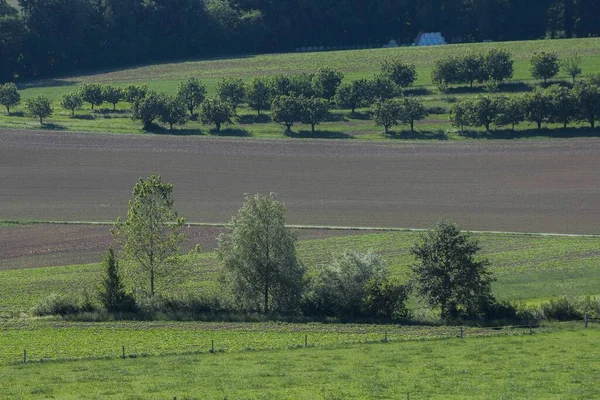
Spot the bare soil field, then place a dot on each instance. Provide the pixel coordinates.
(46, 245)
(526, 186)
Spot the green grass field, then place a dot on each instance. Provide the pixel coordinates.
(355, 64)
(561, 365)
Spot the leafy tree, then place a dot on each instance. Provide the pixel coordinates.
(400, 73)
(112, 95)
(472, 68)
(499, 65)
(446, 71)
(536, 106)
(216, 111)
(287, 110)
(572, 66)
(447, 273)
(148, 108)
(412, 110)
(588, 102)
(387, 113)
(302, 85)
(386, 299)
(510, 111)
(92, 93)
(258, 253)
(151, 236)
(9, 96)
(40, 107)
(353, 95)
(544, 65)
(232, 91)
(71, 101)
(483, 111)
(112, 290)
(133, 93)
(192, 92)
(460, 114)
(562, 105)
(316, 110)
(173, 111)
(326, 81)
(281, 85)
(383, 88)
(258, 94)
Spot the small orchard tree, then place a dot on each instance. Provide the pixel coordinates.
(9, 96)
(112, 289)
(151, 237)
(572, 67)
(326, 81)
(316, 110)
(92, 93)
(400, 73)
(483, 111)
(446, 71)
(71, 101)
(173, 111)
(112, 95)
(148, 108)
(353, 95)
(258, 94)
(563, 107)
(281, 85)
(412, 110)
(192, 92)
(510, 111)
(588, 102)
(499, 65)
(383, 88)
(448, 273)
(40, 107)
(232, 91)
(544, 66)
(287, 110)
(387, 113)
(258, 253)
(216, 111)
(536, 106)
(133, 93)
(460, 113)
(472, 68)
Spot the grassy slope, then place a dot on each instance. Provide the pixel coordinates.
(355, 63)
(529, 268)
(563, 365)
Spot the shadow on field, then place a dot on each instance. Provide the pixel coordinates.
(49, 126)
(254, 119)
(86, 117)
(360, 116)
(422, 135)
(417, 92)
(16, 114)
(507, 87)
(318, 135)
(507, 134)
(46, 83)
(106, 111)
(230, 132)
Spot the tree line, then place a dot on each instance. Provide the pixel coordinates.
(48, 37)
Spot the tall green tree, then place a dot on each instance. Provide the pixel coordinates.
(412, 110)
(287, 110)
(258, 93)
(112, 289)
(40, 107)
(112, 95)
(399, 72)
(258, 253)
(510, 111)
(536, 106)
(544, 65)
(151, 237)
(173, 111)
(71, 101)
(216, 111)
(387, 113)
(92, 93)
(563, 107)
(148, 108)
(588, 102)
(326, 82)
(192, 92)
(232, 91)
(572, 66)
(316, 110)
(448, 273)
(353, 95)
(499, 65)
(9, 96)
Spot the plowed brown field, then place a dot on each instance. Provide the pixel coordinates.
(527, 186)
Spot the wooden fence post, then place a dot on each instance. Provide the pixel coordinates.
(586, 319)
(24, 356)
(462, 332)
(212, 346)
(385, 338)
(305, 341)
(123, 356)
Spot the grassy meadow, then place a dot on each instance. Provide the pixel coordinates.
(355, 64)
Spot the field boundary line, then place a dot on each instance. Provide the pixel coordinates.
(316, 227)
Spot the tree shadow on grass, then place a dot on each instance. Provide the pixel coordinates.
(506, 87)
(304, 134)
(16, 114)
(230, 132)
(46, 83)
(86, 117)
(360, 116)
(418, 135)
(176, 131)
(558, 133)
(420, 91)
(336, 117)
(50, 126)
(254, 119)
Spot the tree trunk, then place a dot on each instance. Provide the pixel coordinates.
(513, 125)
(170, 126)
(152, 283)
(7, 110)
(487, 127)
(72, 112)
(539, 125)
(312, 126)
(593, 123)
(218, 126)
(41, 121)
(412, 125)
(386, 128)
(565, 125)
(115, 107)
(258, 109)
(92, 106)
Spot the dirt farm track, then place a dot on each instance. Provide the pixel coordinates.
(526, 186)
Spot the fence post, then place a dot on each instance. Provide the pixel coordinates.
(305, 341)
(385, 338)
(462, 332)
(123, 356)
(212, 346)
(24, 356)
(586, 319)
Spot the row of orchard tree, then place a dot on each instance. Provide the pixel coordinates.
(555, 104)
(262, 273)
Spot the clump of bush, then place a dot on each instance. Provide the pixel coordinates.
(63, 305)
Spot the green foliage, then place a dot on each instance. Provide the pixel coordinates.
(151, 237)
(499, 65)
(536, 106)
(112, 95)
(287, 110)
(316, 110)
(387, 113)
(40, 107)
(386, 300)
(510, 111)
(483, 111)
(112, 290)
(588, 102)
(173, 111)
(383, 88)
(302, 85)
(572, 66)
(258, 93)
(192, 92)
(134, 93)
(71, 101)
(232, 91)
(326, 81)
(261, 271)
(400, 73)
(496, 65)
(148, 108)
(56, 304)
(353, 95)
(544, 65)
(92, 93)
(460, 114)
(216, 111)
(472, 68)
(446, 71)
(447, 274)
(563, 107)
(9, 96)
(412, 110)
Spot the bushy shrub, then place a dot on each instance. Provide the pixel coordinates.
(562, 309)
(56, 304)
